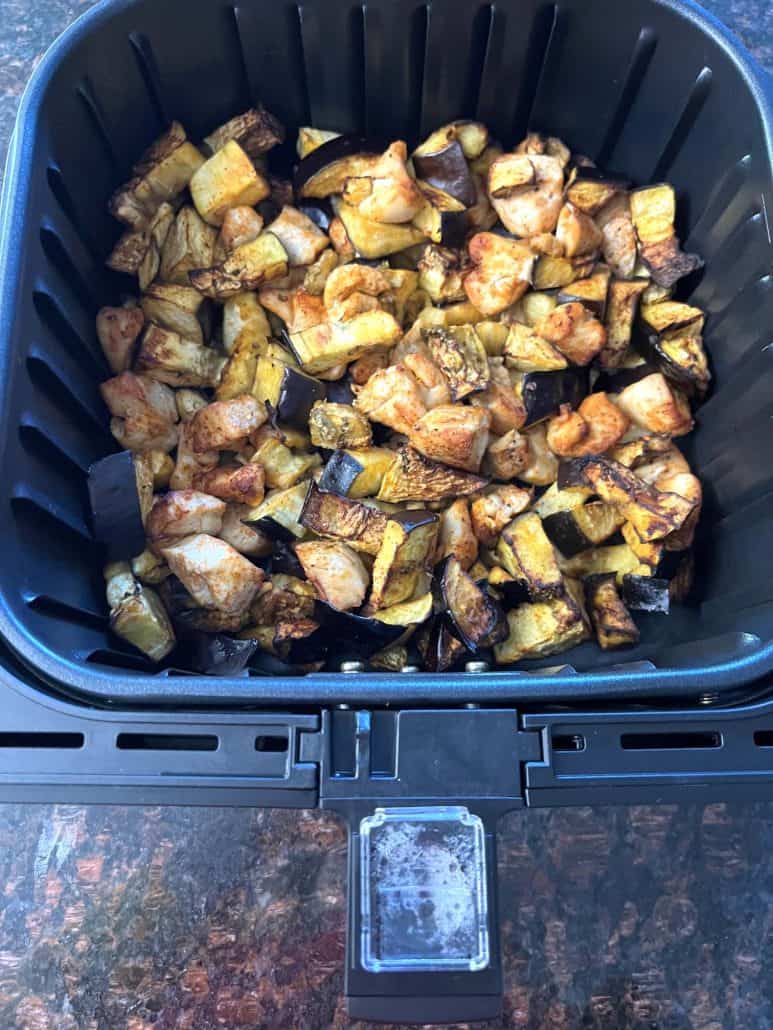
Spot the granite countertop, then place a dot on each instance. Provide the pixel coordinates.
(199, 918)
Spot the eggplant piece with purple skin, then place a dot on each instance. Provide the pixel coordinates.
(298, 393)
(340, 472)
(618, 379)
(543, 393)
(325, 169)
(581, 528)
(478, 619)
(284, 561)
(440, 650)
(319, 211)
(339, 391)
(215, 654)
(116, 510)
(353, 635)
(447, 170)
(646, 593)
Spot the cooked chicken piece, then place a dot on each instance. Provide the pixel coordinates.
(363, 368)
(597, 426)
(567, 431)
(256, 131)
(433, 385)
(226, 425)
(336, 571)
(527, 192)
(542, 469)
(228, 179)
(189, 402)
(667, 462)
(214, 573)
(502, 272)
(506, 456)
(117, 330)
(618, 243)
(535, 143)
(316, 275)
(686, 485)
(240, 225)
(182, 512)
(243, 538)
(160, 175)
(495, 510)
(143, 410)
(354, 278)
(299, 236)
(243, 484)
(501, 401)
(387, 193)
(190, 243)
(574, 331)
(654, 405)
(189, 464)
(456, 536)
(340, 240)
(393, 397)
(167, 357)
(453, 434)
(577, 232)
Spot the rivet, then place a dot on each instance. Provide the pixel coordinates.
(350, 667)
(477, 667)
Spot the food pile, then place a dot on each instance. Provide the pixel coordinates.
(406, 408)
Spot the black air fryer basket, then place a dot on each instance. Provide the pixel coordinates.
(650, 88)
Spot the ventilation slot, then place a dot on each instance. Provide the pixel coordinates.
(88, 99)
(669, 741)
(62, 196)
(273, 744)
(120, 660)
(62, 741)
(568, 742)
(57, 254)
(36, 442)
(481, 33)
(61, 610)
(67, 400)
(763, 738)
(54, 319)
(640, 61)
(166, 742)
(698, 95)
(40, 511)
(543, 33)
(241, 62)
(723, 210)
(148, 66)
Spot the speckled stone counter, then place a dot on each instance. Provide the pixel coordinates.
(205, 918)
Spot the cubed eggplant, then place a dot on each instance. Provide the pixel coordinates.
(284, 561)
(526, 552)
(543, 393)
(324, 171)
(330, 515)
(340, 391)
(591, 292)
(478, 619)
(298, 392)
(439, 648)
(447, 170)
(646, 593)
(278, 516)
(617, 379)
(319, 211)
(590, 188)
(216, 654)
(116, 512)
(407, 545)
(339, 473)
(357, 635)
(611, 619)
(583, 527)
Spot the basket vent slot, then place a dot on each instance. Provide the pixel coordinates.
(38, 509)
(62, 610)
(146, 60)
(167, 742)
(64, 741)
(120, 660)
(698, 96)
(56, 253)
(242, 72)
(55, 320)
(763, 738)
(87, 97)
(669, 741)
(65, 397)
(542, 35)
(643, 52)
(36, 441)
(62, 196)
(272, 743)
(568, 742)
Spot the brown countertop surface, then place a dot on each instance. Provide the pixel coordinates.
(202, 918)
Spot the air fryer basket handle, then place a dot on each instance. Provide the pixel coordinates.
(422, 994)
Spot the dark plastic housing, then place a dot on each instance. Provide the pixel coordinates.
(652, 89)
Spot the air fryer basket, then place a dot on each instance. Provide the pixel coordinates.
(653, 89)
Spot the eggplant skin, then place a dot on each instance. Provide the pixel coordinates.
(611, 619)
(646, 593)
(447, 170)
(439, 648)
(298, 393)
(215, 654)
(543, 393)
(115, 506)
(477, 617)
(340, 472)
(331, 515)
(412, 477)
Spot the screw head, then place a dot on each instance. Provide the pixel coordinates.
(353, 666)
(477, 667)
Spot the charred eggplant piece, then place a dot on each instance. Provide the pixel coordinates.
(324, 170)
(215, 654)
(439, 648)
(653, 210)
(116, 509)
(279, 514)
(527, 553)
(592, 292)
(337, 426)
(583, 527)
(461, 357)
(537, 630)
(477, 618)
(590, 188)
(446, 169)
(442, 218)
(543, 393)
(646, 593)
(670, 338)
(615, 380)
(358, 635)
(407, 545)
(412, 477)
(611, 620)
(298, 393)
(331, 515)
(622, 305)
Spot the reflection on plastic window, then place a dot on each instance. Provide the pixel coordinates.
(423, 890)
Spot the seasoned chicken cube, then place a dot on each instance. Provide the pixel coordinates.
(597, 426)
(189, 463)
(456, 536)
(243, 538)
(392, 397)
(299, 236)
(242, 484)
(502, 272)
(226, 425)
(577, 232)
(652, 404)
(228, 179)
(241, 225)
(336, 571)
(527, 192)
(214, 573)
(117, 330)
(495, 510)
(144, 412)
(506, 456)
(574, 331)
(433, 384)
(182, 512)
(453, 434)
(506, 408)
(387, 193)
(243, 316)
(618, 242)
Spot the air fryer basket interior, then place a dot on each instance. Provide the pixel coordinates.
(650, 89)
